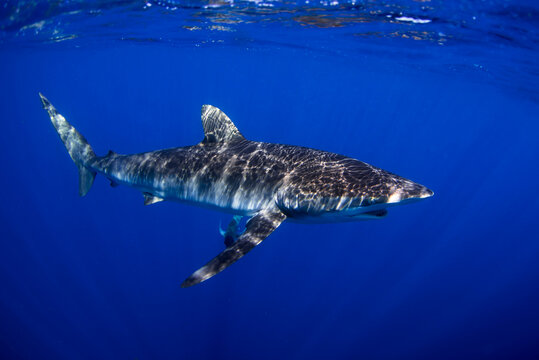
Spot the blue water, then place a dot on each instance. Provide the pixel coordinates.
(449, 99)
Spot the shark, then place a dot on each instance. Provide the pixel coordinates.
(266, 182)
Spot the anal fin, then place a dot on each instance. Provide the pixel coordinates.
(257, 229)
(151, 199)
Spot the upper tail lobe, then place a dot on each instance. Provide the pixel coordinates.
(77, 146)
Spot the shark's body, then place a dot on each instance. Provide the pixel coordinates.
(267, 182)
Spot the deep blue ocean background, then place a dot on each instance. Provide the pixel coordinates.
(443, 93)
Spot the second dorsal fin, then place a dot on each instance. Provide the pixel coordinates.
(217, 126)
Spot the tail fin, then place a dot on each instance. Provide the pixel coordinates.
(80, 151)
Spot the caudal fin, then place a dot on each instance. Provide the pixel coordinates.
(78, 148)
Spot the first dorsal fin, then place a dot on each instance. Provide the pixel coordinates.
(217, 126)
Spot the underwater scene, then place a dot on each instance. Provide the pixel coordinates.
(269, 179)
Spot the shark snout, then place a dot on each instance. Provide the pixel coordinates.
(425, 193)
(411, 191)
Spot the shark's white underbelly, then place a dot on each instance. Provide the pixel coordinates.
(217, 196)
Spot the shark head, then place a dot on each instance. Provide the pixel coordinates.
(405, 191)
(363, 196)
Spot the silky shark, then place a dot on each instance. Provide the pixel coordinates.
(269, 183)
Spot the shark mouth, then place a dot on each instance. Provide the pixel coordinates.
(375, 214)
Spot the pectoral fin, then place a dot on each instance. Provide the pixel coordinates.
(232, 232)
(257, 229)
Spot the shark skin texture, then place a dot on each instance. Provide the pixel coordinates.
(268, 183)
